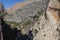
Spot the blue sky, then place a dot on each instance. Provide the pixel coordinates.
(9, 3)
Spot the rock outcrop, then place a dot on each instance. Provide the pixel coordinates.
(29, 10)
(50, 30)
(41, 17)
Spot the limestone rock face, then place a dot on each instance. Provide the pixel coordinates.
(49, 30)
(41, 17)
(54, 4)
(19, 6)
(29, 10)
(46, 30)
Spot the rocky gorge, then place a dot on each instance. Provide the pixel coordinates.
(37, 20)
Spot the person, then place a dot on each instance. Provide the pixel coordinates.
(30, 35)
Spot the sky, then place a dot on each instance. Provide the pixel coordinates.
(9, 3)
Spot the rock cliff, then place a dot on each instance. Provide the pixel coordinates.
(42, 17)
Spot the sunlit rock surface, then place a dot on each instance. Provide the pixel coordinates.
(29, 10)
(42, 17)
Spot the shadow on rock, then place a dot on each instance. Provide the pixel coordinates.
(11, 34)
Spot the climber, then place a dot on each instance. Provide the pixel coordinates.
(30, 35)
